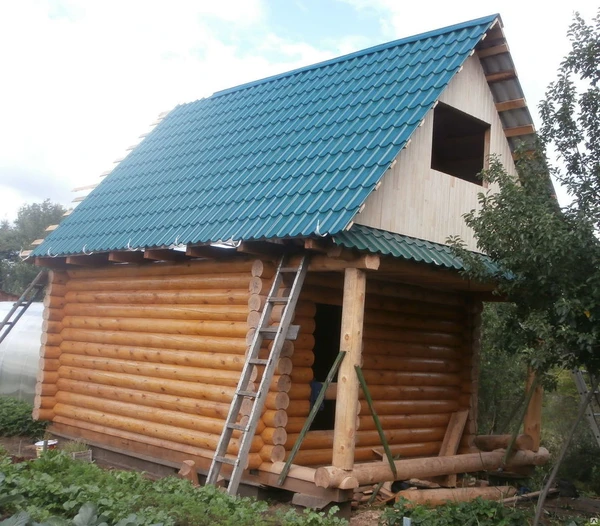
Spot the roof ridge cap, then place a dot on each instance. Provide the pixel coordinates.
(359, 53)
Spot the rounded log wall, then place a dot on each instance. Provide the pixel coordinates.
(154, 352)
(418, 362)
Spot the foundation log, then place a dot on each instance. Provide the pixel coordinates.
(492, 442)
(372, 473)
(439, 497)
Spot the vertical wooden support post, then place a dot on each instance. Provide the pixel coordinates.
(353, 308)
(532, 423)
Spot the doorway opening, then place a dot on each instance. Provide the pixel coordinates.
(328, 326)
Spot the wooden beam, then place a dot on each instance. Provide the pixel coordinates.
(86, 187)
(326, 263)
(517, 131)
(454, 433)
(261, 248)
(317, 245)
(423, 274)
(127, 256)
(532, 423)
(50, 228)
(91, 260)
(508, 105)
(37, 242)
(51, 262)
(492, 51)
(353, 309)
(500, 76)
(210, 251)
(164, 254)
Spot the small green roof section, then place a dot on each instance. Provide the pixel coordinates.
(386, 243)
(292, 155)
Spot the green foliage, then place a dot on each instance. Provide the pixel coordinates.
(501, 375)
(56, 485)
(15, 419)
(30, 225)
(475, 513)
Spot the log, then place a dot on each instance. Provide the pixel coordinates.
(271, 453)
(372, 473)
(42, 414)
(156, 385)
(295, 471)
(229, 329)
(166, 269)
(45, 389)
(275, 418)
(48, 364)
(51, 339)
(54, 302)
(300, 408)
(410, 350)
(167, 341)
(183, 404)
(52, 327)
(52, 314)
(185, 436)
(147, 413)
(206, 360)
(173, 312)
(348, 386)
(192, 282)
(189, 471)
(162, 371)
(439, 497)
(409, 292)
(377, 332)
(397, 363)
(254, 459)
(324, 439)
(319, 457)
(383, 304)
(161, 297)
(274, 436)
(415, 378)
(44, 402)
(49, 351)
(56, 290)
(399, 322)
(390, 422)
(492, 442)
(410, 407)
(47, 377)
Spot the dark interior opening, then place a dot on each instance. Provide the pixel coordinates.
(328, 324)
(459, 143)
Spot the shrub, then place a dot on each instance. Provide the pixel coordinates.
(475, 513)
(15, 419)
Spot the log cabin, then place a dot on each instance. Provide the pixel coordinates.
(365, 164)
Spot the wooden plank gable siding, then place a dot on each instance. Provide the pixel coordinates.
(418, 360)
(414, 199)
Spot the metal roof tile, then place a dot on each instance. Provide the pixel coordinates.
(290, 155)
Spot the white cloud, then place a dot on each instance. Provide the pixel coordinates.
(82, 79)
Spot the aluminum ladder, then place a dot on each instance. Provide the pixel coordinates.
(592, 411)
(32, 292)
(278, 334)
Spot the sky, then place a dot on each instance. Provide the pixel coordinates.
(80, 80)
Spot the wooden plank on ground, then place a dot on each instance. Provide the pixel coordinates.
(451, 441)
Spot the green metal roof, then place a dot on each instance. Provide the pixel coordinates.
(400, 246)
(291, 155)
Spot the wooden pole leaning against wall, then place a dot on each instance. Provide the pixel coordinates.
(532, 423)
(45, 389)
(353, 308)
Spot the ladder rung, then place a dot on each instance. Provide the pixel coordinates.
(249, 394)
(239, 427)
(258, 361)
(226, 460)
(279, 299)
(270, 332)
(288, 269)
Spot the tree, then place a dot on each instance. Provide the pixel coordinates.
(549, 258)
(31, 223)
